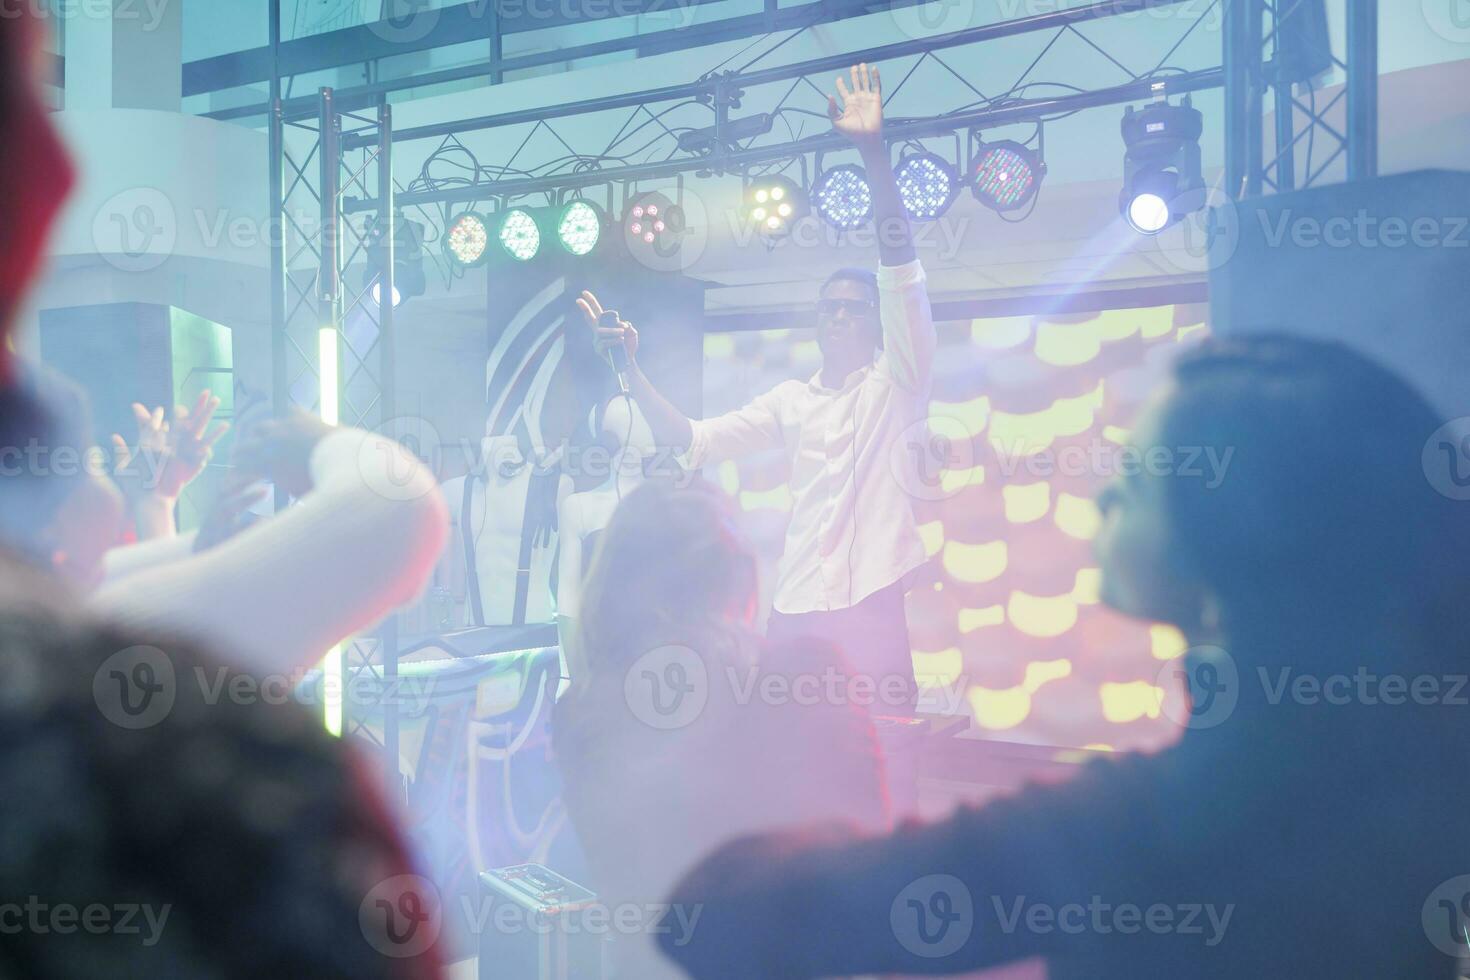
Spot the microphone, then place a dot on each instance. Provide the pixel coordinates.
(619, 354)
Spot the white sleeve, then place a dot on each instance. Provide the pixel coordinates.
(748, 429)
(121, 562)
(278, 595)
(909, 339)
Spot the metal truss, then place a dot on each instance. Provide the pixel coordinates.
(705, 127)
(1256, 66)
(322, 323)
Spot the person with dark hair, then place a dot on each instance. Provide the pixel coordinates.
(154, 830)
(852, 544)
(153, 824)
(1306, 824)
(654, 782)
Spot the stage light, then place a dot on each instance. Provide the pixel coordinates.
(1005, 175)
(408, 260)
(1162, 180)
(842, 197)
(653, 223)
(927, 185)
(378, 295)
(774, 204)
(467, 240)
(519, 234)
(579, 227)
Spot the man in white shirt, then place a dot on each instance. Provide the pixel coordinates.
(852, 541)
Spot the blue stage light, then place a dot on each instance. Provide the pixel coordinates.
(927, 185)
(842, 197)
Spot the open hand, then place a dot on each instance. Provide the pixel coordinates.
(604, 338)
(177, 450)
(860, 117)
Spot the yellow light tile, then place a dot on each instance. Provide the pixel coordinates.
(1040, 672)
(1167, 642)
(1001, 332)
(975, 563)
(1122, 703)
(1118, 324)
(953, 481)
(1024, 434)
(1067, 344)
(999, 710)
(932, 534)
(970, 620)
(971, 415)
(1087, 586)
(1027, 502)
(1041, 616)
(1077, 516)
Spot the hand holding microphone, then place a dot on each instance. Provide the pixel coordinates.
(614, 338)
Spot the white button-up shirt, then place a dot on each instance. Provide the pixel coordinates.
(852, 530)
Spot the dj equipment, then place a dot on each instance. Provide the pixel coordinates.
(537, 925)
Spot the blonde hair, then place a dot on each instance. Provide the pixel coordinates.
(670, 568)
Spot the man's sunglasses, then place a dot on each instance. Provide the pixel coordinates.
(855, 308)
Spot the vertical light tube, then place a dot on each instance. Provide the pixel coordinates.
(332, 664)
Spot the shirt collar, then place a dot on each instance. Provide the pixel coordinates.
(851, 380)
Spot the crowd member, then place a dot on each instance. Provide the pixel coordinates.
(653, 783)
(1288, 833)
(157, 832)
(171, 452)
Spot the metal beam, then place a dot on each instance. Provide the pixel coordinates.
(707, 87)
(1027, 110)
(1362, 89)
(728, 29)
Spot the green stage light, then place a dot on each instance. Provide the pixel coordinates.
(520, 235)
(579, 227)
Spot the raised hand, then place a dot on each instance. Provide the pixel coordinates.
(860, 116)
(176, 451)
(604, 338)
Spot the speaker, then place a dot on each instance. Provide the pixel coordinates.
(1382, 265)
